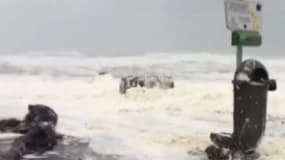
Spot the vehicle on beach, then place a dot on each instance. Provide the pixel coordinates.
(163, 82)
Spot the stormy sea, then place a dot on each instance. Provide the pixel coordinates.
(144, 124)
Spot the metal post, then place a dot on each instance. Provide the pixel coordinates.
(239, 55)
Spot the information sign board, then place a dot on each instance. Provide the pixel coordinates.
(243, 15)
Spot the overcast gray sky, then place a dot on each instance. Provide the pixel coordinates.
(127, 26)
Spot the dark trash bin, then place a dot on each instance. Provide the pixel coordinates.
(251, 83)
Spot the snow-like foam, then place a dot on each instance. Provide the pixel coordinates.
(144, 124)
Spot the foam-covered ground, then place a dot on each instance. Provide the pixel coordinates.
(145, 124)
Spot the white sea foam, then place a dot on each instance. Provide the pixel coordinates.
(145, 124)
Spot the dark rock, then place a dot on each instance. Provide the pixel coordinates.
(102, 73)
(38, 128)
(216, 153)
(9, 125)
(40, 113)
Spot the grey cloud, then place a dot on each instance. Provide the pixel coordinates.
(127, 26)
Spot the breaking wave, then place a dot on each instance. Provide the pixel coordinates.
(181, 66)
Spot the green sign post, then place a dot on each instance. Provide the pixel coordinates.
(245, 38)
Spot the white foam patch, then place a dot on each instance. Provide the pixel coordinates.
(242, 77)
(144, 124)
